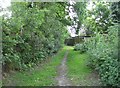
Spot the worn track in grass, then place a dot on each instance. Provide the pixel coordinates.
(62, 73)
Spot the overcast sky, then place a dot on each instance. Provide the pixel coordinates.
(4, 3)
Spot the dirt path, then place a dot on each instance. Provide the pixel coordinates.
(62, 72)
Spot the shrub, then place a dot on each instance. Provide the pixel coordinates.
(103, 51)
(32, 36)
(80, 47)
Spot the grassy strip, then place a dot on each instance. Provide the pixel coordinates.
(78, 71)
(44, 76)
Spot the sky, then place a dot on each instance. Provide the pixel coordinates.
(5, 3)
(90, 5)
(72, 14)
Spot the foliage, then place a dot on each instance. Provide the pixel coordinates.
(98, 19)
(103, 48)
(103, 51)
(81, 12)
(78, 70)
(43, 75)
(80, 47)
(115, 11)
(37, 30)
(34, 31)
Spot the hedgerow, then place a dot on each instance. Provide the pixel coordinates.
(32, 33)
(103, 51)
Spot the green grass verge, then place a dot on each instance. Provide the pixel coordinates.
(77, 68)
(42, 76)
(0, 83)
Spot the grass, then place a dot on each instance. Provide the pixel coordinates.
(0, 83)
(45, 74)
(78, 71)
(42, 76)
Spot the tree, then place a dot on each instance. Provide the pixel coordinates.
(115, 11)
(98, 19)
(34, 31)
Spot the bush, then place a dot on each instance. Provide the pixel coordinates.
(103, 51)
(80, 47)
(30, 37)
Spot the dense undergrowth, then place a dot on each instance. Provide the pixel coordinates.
(103, 51)
(103, 45)
(42, 75)
(36, 30)
(32, 33)
(103, 55)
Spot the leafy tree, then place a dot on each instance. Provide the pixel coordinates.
(35, 31)
(115, 11)
(98, 19)
(80, 8)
